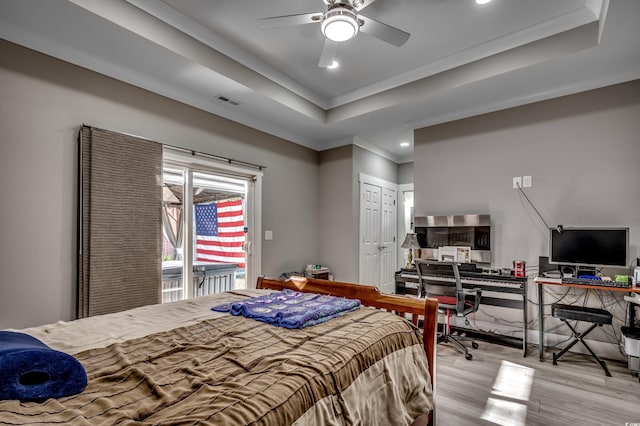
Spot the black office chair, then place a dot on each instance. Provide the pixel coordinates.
(441, 281)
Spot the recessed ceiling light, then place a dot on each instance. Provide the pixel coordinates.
(334, 65)
(403, 144)
(483, 1)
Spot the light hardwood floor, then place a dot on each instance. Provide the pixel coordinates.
(575, 392)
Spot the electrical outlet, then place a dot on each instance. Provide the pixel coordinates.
(517, 182)
(526, 181)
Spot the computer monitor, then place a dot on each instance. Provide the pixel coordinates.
(589, 246)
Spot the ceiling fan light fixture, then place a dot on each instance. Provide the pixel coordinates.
(339, 24)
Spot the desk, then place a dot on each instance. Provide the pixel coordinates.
(546, 281)
(407, 282)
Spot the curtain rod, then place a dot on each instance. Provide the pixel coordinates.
(193, 152)
(217, 157)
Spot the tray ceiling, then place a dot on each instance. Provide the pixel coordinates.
(462, 59)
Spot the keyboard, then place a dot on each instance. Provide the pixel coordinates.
(596, 282)
(470, 279)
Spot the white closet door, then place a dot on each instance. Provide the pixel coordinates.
(388, 220)
(377, 233)
(370, 218)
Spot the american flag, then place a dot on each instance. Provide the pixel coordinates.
(220, 232)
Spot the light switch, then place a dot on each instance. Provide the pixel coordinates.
(268, 235)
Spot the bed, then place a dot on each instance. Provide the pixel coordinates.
(182, 363)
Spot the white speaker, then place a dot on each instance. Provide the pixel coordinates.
(568, 271)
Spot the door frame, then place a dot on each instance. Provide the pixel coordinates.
(402, 230)
(384, 184)
(253, 219)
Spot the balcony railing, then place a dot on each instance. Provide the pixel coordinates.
(208, 278)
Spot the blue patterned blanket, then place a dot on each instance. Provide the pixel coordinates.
(291, 309)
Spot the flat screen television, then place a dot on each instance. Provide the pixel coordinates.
(589, 246)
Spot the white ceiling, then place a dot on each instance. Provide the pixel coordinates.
(461, 60)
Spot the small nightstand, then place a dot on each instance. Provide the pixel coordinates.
(321, 273)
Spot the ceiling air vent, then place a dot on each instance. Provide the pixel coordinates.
(227, 100)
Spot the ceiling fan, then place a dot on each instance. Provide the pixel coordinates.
(341, 22)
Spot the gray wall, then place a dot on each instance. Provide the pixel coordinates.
(340, 169)
(42, 103)
(338, 229)
(405, 173)
(369, 163)
(582, 152)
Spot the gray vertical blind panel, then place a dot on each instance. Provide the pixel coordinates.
(84, 187)
(121, 259)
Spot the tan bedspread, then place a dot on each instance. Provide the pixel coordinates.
(366, 367)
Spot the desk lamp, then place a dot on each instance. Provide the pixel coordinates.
(410, 242)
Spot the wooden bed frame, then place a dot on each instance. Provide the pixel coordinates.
(420, 309)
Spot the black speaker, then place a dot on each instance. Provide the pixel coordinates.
(545, 266)
(586, 270)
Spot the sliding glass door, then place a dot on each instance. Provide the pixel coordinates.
(172, 234)
(209, 219)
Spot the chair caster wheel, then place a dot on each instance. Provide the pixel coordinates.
(474, 345)
(468, 356)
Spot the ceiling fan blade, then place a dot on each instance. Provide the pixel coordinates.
(358, 5)
(361, 4)
(328, 53)
(288, 20)
(384, 32)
